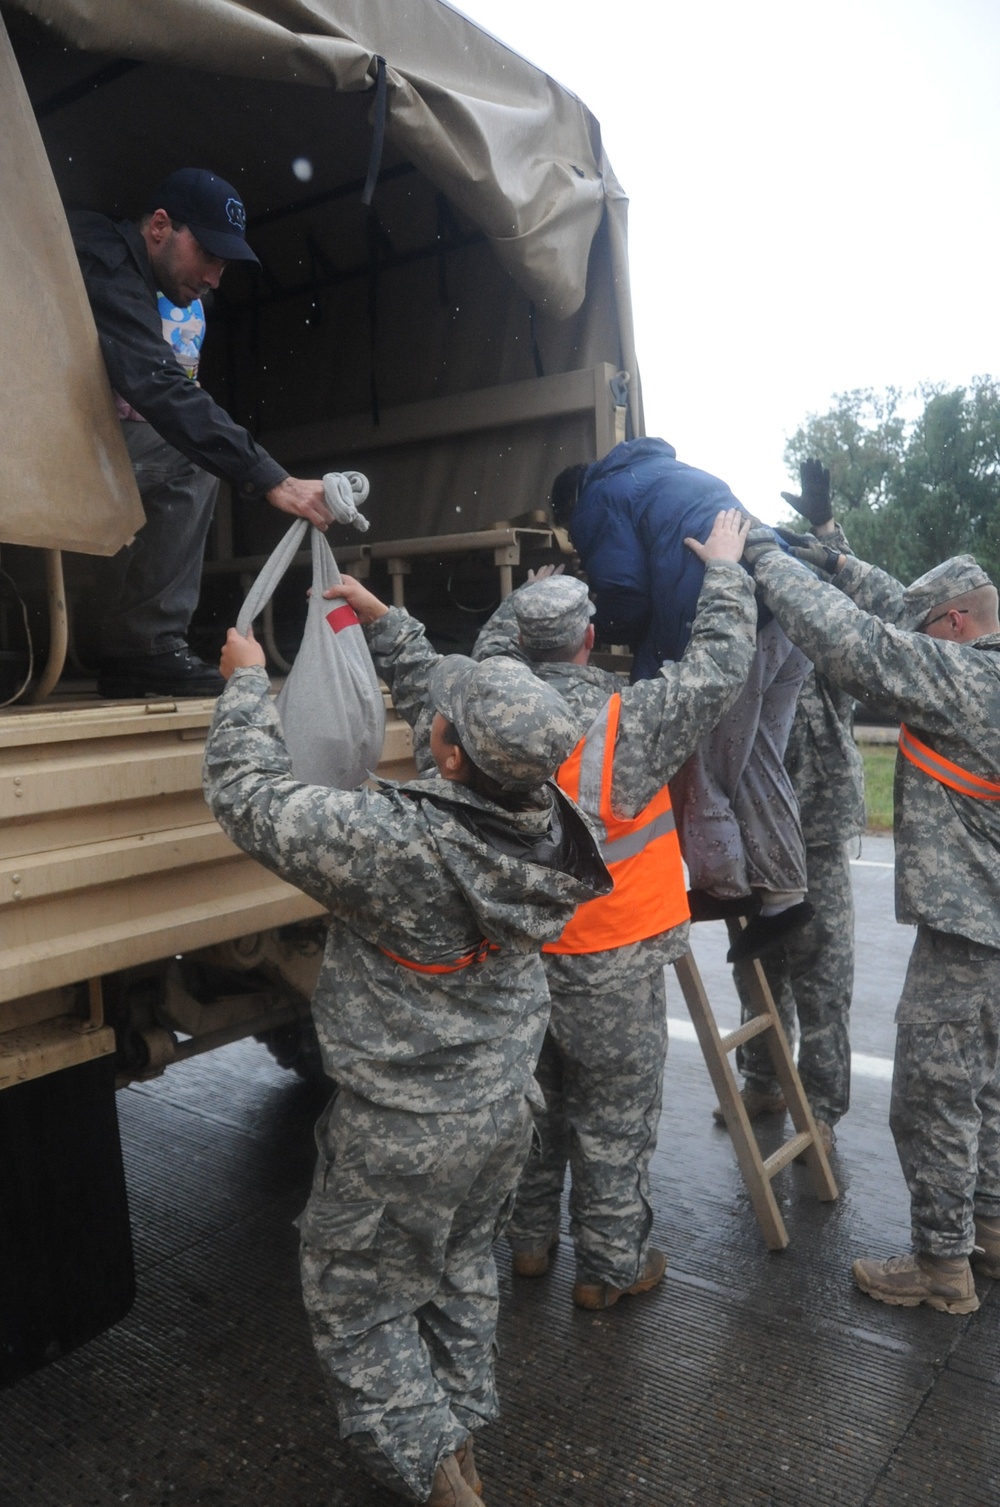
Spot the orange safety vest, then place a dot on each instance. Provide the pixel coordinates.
(943, 770)
(642, 852)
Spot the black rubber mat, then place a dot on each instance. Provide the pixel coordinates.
(750, 1379)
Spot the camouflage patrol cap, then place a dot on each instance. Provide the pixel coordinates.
(953, 578)
(553, 614)
(512, 725)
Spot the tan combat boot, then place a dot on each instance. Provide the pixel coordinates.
(942, 1282)
(533, 1261)
(986, 1256)
(827, 1139)
(603, 1295)
(467, 1465)
(755, 1103)
(450, 1488)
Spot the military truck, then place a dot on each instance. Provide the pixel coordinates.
(444, 305)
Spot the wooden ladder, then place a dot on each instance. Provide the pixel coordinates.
(757, 1170)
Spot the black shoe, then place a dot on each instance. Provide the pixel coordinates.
(761, 933)
(177, 672)
(708, 907)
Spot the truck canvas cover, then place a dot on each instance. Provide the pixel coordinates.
(494, 250)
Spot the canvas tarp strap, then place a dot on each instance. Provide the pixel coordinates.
(378, 135)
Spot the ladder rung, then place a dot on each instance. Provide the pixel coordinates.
(745, 1032)
(757, 1172)
(787, 1152)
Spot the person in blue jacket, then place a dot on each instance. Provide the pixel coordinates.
(628, 515)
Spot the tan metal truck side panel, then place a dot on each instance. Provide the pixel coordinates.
(109, 857)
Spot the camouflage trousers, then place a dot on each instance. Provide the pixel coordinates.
(945, 1108)
(601, 1072)
(812, 978)
(398, 1275)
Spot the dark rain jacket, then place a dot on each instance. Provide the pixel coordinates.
(142, 367)
(636, 507)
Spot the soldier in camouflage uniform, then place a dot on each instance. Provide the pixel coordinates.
(601, 1067)
(430, 1009)
(930, 653)
(811, 976)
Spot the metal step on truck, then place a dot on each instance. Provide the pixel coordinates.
(443, 304)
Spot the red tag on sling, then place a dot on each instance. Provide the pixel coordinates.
(342, 617)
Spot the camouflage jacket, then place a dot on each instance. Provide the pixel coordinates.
(948, 694)
(822, 758)
(426, 870)
(662, 720)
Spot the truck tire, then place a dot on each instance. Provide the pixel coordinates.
(66, 1267)
(296, 1048)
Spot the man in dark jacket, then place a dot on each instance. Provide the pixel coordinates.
(812, 976)
(178, 439)
(628, 516)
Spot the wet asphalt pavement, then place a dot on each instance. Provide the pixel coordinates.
(748, 1378)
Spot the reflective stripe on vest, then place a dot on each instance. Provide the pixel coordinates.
(465, 960)
(944, 771)
(642, 852)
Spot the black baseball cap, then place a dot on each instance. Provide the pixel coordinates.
(211, 209)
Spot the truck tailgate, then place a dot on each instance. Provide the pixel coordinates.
(109, 856)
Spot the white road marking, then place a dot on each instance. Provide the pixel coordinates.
(862, 1063)
(871, 1067)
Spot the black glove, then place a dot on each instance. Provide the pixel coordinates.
(759, 541)
(799, 543)
(811, 551)
(814, 504)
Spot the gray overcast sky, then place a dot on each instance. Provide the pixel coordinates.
(814, 195)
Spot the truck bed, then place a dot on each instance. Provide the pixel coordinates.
(109, 858)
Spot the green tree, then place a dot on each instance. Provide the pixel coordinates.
(910, 492)
(862, 440)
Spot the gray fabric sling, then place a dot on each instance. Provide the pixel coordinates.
(330, 706)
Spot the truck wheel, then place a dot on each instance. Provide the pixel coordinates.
(296, 1048)
(66, 1268)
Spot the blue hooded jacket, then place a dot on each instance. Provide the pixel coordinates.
(634, 510)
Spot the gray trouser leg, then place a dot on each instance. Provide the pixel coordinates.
(753, 1058)
(812, 979)
(945, 1108)
(539, 1193)
(151, 586)
(398, 1275)
(764, 800)
(820, 961)
(988, 1159)
(736, 812)
(612, 1049)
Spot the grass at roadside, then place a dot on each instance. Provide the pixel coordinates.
(879, 761)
